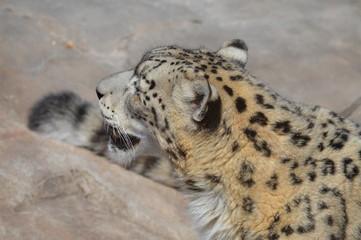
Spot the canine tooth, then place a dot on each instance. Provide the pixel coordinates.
(116, 133)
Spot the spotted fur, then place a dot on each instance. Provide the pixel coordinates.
(253, 164)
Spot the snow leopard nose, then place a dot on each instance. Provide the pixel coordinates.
(99, 94)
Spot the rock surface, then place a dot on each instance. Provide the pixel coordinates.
(307, 50)
(50, 190)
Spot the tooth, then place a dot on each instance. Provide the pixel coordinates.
(116, 133)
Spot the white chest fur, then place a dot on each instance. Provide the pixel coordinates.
(210, 214)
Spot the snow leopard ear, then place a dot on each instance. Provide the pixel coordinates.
(234, 50)
(194, 93)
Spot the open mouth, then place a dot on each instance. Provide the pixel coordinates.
(121, 140)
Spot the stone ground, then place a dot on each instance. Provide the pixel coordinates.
(307, 50)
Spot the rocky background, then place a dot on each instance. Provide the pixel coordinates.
(307, 50)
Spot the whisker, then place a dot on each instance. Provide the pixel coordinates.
(123, 137)
(129, 143)
(120, 132)
(126, 136)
